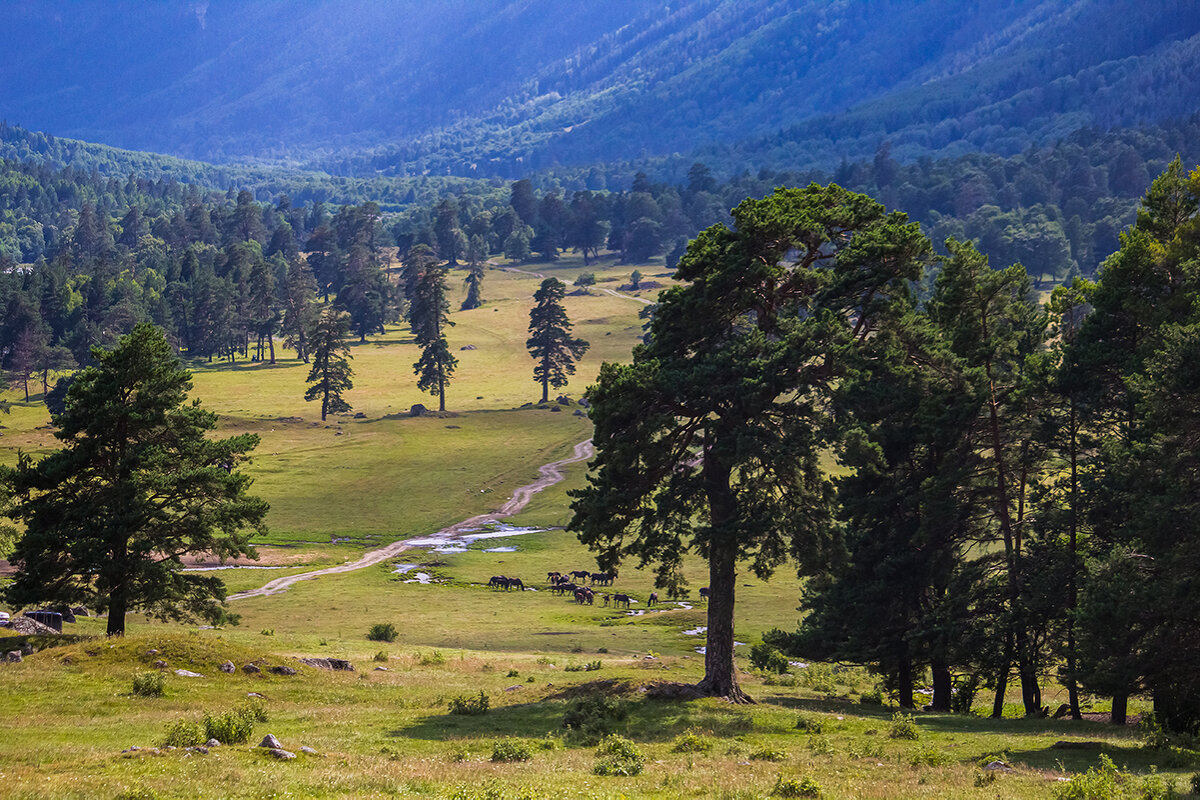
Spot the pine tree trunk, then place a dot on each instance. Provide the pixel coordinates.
(942, 686)
(1002, 679)
(1120, 707)
(904, 679)
(720, 675)
(271, 345)
(545, 388)
(1072, 577)
(117, 607)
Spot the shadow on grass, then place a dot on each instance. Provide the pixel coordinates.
(1134, 759)
(394, 339)
(242, 366)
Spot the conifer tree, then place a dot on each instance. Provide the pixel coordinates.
(330, 373)
(553, 348)
(430, 318)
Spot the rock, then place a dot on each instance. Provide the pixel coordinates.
(80, 611)
(27, 649)
(228, 668)
(417, 410)
(256, 694)
(160, 664)
(212, 743)
(187, 673)
(27, 626)
(998, 766)
(583, 402)
(556, 408)
(468, 347)
(151, 652)
(339, 433)
(360, 415)
(329, 663)
(514, 688)
(306, 749)
(270, 741)
(382, 669)
(563, 400)
(251, 669)
(14, 657)
(578, 412)
(282, 755)
(282, 670)
(67, 615)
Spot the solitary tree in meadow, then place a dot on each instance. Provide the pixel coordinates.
(430, 316)
(136, 486)
(553, 348)
(330, 373)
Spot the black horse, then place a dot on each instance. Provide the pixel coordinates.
(620, 599)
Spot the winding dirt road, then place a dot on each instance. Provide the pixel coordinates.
(548, 475)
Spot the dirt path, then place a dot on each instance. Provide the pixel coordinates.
(548, 475)
(615, 293)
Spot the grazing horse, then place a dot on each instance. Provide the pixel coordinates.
(515, 582)
(563, 588)
(601, 579)
(703, 592)
(653, 601)
(497, 581)
(619, 599)
(553, 576)
(607, 598)
(581, 574)
(591, 597)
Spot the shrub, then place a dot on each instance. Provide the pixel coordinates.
(929, 757)
(872, 698)
(616, 755)
(810, 724)
(820, 745)
(184, 733)
(768, 659)
(1098, 783)
(252, 710)
(382, 632)
(267, 631)
(594, 716)
(904, 727)
(804, 787)
(819, 678)
(767, 754)
(691, 741)
(590, 666)
(507, 750)
(381, 656)
(435, 658)
(470, 705)
(963, 697)
(512, 673)
(149, 684)
(1156, 787)
(232, 727)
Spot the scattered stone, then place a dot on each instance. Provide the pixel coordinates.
(563, 400)
(131, 749)
(187, 673)
(14, 657)
(187, 754)
(417, 410)
(212, 743)
(468, 347)
(28, 627)
(360, 415)
(555, 408)
(282, 755)
(453, 427)
(169, 748)
(160, 664)
(336, 664)
(306, 749)
(251, 669)
(514, 688)
(256, 694)
(27, 649)
(339, 433)
(228, 668)
(578, 412)
(270, 741)
(382, 669)
(151, 652)
(998, 766)
(283, 670)
(583, 402)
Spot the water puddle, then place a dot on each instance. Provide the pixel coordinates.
(696, 631)
(460, 544)
(501, 550)
(420, 577)
(402, 569)
(702, 649)
(225, 566)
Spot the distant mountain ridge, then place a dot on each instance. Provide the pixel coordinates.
(507, 87)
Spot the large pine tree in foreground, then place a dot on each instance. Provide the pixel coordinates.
(137, 486)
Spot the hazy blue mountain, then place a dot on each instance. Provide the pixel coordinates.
(503, 87)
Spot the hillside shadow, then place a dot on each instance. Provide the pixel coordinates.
(242, 366)
(1134, 759)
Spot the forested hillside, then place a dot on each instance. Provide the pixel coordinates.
(511, 86)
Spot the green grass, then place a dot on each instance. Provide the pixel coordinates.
(70, 711)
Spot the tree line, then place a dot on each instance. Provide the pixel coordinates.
(1020, 472)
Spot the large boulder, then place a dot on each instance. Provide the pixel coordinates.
(251, 669)
(228, 668)
(282, 670)
(269, 741)
(336, 664)
(14, 657)
(418, 410)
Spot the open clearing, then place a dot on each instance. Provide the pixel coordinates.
(353, 485)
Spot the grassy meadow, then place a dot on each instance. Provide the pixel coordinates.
(353, 483)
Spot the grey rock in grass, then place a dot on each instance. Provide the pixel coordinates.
(152, 652)
(382, 669)
(187, 673)
(212, 743)
(256, 694)
(583, 402)
(27, 649)
(160, 664)
(131, 749)
(251, 669)
(468, 347)
(228, 668)
(283, 670)
(14, 657)
(578, 413)
(998, 766)
(282, 755)
(336, 664)
(269, 741)
(417, 410)
(308, 750)
(555, 408)
(563, 400)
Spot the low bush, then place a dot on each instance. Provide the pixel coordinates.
(435, 658)
(617, 755)
(768, 659)
(184, 733)
(507, 750)
(819, 678)
(820, 746)
(691, 741)
(512, 673)
(767, 754)
(810, 724)
(929, 757)
(470, 705)
(871, 698)
(793, 787)
(149, 684)
(904, 727)
(590, 666)
(381, 656)
(595, 715)
(382, 632)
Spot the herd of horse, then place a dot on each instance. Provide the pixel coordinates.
(562, 583)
